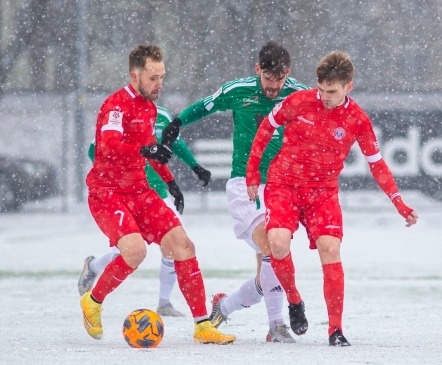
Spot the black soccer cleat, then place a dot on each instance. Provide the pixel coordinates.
(298, 320)
(338, 339)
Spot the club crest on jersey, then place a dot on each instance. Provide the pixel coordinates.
(339, 133)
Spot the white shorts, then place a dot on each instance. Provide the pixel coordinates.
(246, 216)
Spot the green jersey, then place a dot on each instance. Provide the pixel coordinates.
(249, 107)
(179, 148)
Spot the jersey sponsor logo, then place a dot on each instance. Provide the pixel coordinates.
(116, 118)
(218, 93)
(248, 101)
(276, 108)
(333, 227)
(305, 120)
(339, 133)
(137, 121)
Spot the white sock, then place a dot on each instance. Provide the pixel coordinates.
(273, 293)
(98, 264)
(247, 295)
(167, 280)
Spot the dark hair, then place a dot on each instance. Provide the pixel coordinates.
(336, 66)
(274, 59)
(138, 56)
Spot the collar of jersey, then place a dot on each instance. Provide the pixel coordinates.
(133, 91)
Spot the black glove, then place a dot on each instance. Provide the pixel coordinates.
(158, 152)
(175, 191)
(171, 132)
(203, 174)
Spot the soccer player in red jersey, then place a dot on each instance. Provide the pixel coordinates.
(123, 205)
(302, 184)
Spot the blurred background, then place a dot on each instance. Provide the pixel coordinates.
(61, 59)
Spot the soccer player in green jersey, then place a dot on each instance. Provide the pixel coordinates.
(94, 265)
(250, 100)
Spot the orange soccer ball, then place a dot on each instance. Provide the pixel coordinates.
(143, 328)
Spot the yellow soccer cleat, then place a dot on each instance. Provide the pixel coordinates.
(205, 332)
(91, 316)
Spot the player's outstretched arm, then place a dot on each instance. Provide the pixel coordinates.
(182, 151)
(171, 132)
(175, 191)
(385, 180)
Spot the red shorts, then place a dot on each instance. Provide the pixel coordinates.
(317, 209)
(118, 215)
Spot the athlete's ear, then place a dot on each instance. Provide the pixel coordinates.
(349, 86)
(257, 69)
(134, 76)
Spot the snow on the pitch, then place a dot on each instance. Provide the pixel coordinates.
(393, 303)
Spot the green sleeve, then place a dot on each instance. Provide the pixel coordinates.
(193, 113)
(182, 151)
(91, 151)
(204, 107)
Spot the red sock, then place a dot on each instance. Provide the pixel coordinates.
(334, 294)
(190, 281)
(285, 272)
(113, 275)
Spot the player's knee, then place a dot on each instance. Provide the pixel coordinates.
(279, 240)
(279, 249)
(329, 249)
(175, 244)
(134, 253)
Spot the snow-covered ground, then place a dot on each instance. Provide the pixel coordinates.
(393, 304)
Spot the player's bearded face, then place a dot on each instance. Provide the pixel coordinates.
(333, 94)
(271, 84)
(149, 81)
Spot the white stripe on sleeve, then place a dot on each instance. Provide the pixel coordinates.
(273, 121)
(112, 127)
(373, 158)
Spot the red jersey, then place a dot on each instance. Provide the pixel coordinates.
(316, 143)
(125, 123)
(317, 140)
